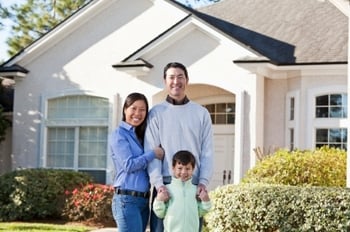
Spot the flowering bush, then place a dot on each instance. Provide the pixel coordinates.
(91, 202)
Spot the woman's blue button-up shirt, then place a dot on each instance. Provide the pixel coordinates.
(129, 159)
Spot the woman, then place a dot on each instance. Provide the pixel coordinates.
(130, 205)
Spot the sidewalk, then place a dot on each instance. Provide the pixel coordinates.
(110, 229)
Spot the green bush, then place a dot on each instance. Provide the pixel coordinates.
(268, 208)
(91, 202)
(36, 193)
(321, 167)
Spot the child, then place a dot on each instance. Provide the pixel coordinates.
(184, 208)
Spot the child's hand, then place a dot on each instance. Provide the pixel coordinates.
(204, 196)
(162, 194)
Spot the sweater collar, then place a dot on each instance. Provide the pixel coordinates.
(172, 101)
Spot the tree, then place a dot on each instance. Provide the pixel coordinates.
(4, 124)
(6, 99)
(34, 18)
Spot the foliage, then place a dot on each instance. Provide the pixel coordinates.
(34, 18)
(90, 202)
(4, 124)
(41, 227)
(321, 167)
(30, 194)
(268, 208)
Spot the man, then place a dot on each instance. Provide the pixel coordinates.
(178, 124)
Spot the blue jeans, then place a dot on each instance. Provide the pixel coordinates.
(130, 213)
(156, 223)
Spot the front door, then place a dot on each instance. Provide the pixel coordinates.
(223, 157)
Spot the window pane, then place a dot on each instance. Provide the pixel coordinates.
(334, 135)
(221, 108)
(322, 100)
(60, 147)
(336, 100)
(210, 108)
(230, 107)
(93, 147)
(220, 119)
(322, 135)
(322, 112)
(230, 119)
(335, 112)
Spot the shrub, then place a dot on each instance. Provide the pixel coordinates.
(321, 167)
(268, 208)
(90, 202)
(36, 193)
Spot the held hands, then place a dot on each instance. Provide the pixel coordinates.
(202, 192)
(163, 194)
(159, 153)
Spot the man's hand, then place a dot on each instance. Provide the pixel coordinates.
(163, 194)
(204, 196)
(200, 188)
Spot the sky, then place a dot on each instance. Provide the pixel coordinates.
(4, 34)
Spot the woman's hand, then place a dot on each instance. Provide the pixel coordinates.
(159, 153)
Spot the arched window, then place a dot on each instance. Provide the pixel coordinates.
(77, 132)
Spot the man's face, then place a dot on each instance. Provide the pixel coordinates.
(176, 82)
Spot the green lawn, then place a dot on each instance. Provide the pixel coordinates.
(40, 227)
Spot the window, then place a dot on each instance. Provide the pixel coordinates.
(330, 114)
(292, 108)
(222, 113)
(77, 134)
(291, 139)
(332, 137)
(292, 120)
(331, 106)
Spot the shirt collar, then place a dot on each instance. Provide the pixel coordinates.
(127, 126)
(172, 101)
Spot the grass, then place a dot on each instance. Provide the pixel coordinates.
(41, 227)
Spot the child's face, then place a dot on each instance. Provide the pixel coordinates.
(183, 172)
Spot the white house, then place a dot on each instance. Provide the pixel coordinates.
(272, 73)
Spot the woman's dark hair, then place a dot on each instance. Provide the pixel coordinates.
(130, 99)
(175, 65)
(184, 157)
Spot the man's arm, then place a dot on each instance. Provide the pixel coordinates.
(207, 153)
(152, 140)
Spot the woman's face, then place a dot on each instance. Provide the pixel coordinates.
(135, 114)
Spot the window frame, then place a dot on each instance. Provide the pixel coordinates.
(312, 122)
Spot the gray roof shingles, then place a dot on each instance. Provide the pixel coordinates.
(285, 31)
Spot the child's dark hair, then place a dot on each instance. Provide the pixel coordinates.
(184, 158)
